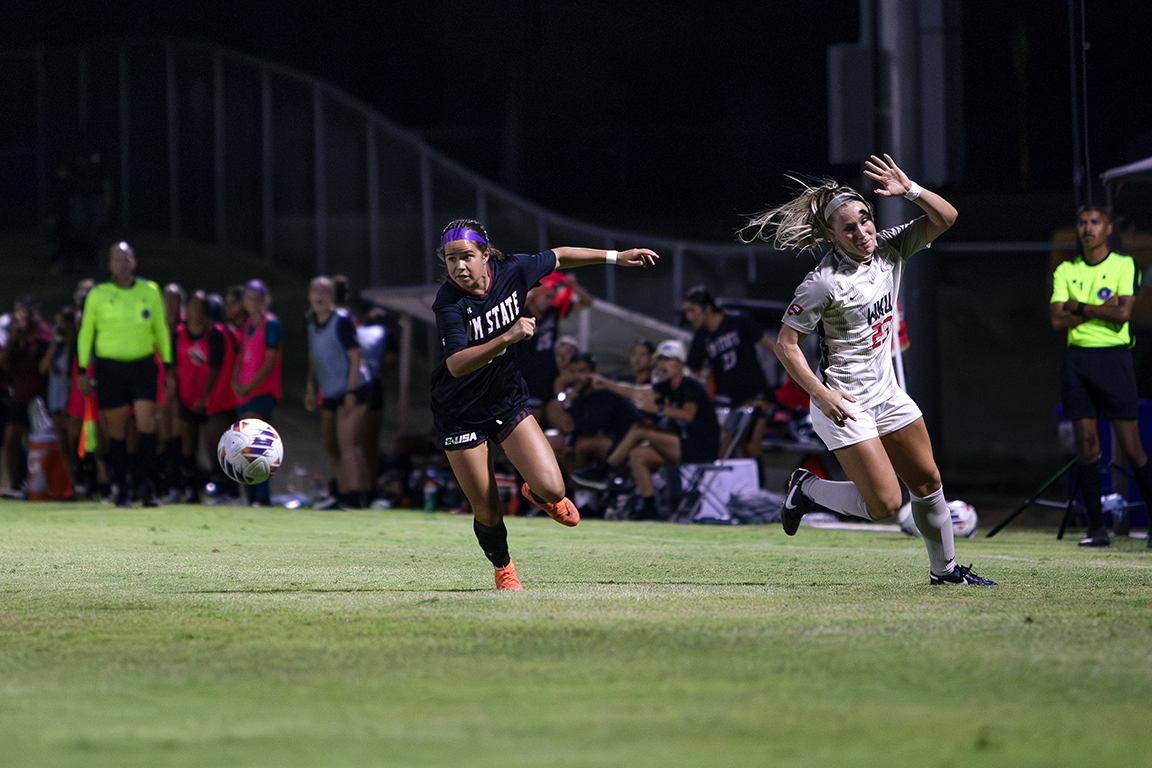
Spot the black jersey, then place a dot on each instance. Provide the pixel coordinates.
(464, 320)
(730, 352)
(699, 438)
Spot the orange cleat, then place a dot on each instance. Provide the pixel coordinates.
(563, 511)
(506, 578)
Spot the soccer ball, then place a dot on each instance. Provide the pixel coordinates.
(250, 451)
(907, 524)
(963, 519)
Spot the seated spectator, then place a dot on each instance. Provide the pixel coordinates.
(640, 362)
(725, 344)
(590, 420)
(685, 428)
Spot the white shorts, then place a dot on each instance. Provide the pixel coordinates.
(897, 412)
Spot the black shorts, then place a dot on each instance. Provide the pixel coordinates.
(123, 383)
(1099, 382)
(457, 435)
(11, 413)
(362, 396)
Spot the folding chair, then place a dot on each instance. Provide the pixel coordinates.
(704, 475)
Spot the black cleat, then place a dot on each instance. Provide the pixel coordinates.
(148, 495)
(1098, 539)
(960, 576)
(796, 502)
(595, 476)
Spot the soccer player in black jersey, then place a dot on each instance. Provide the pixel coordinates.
(478, 392)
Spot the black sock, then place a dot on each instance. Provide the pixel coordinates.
(189, 472)
(1144, 483)
(494, 541)
(118, 462)
(647, 509)
(1090, 489)
(146, 458)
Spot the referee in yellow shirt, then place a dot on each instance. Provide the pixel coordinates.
(121, 332)
(1092, 298)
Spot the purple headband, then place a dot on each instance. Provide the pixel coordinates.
(461, 233)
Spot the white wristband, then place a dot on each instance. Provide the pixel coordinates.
(913, 192)
(610, 257)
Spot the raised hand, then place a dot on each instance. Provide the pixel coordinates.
(893, 181)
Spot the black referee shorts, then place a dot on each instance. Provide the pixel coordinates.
(1099, 382)
(123, 383)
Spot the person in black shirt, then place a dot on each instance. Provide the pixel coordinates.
(685, 430)
(478, 392)
(725, 343)
(589, 420)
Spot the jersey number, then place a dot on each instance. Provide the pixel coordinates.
(881, 332)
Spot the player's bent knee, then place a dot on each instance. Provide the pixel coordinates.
(885, 508)
(548, 492)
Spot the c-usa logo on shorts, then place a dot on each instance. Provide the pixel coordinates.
(460, 439)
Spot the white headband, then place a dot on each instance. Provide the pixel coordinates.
(838, 202)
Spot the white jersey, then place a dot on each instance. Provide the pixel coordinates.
(853, 306)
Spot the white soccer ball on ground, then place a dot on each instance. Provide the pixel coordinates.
(963, 514)
(249, 451)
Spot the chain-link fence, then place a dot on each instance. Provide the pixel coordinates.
(219, 147)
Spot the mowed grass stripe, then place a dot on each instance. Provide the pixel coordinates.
(229, 636)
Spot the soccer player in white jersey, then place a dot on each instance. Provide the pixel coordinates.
(875, 429)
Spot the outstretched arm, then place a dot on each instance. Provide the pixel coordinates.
(578, 257)
(895, 183)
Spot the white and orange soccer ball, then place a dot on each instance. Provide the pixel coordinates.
(249, 451)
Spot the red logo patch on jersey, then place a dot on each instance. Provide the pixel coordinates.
(795, 309)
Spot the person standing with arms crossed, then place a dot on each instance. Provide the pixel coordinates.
(478, 391)
(121, 331)
(875, 429)
(1092, 299)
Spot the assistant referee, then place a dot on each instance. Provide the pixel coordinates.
(1092, 298)
(122, 335)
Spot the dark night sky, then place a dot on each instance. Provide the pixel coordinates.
(673, 114)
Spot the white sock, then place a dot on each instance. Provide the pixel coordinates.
(934, 521)
(837, 496)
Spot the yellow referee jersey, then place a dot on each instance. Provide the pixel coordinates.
(126, 323)
(1076, 280)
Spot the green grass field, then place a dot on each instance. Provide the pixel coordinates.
(223, 636)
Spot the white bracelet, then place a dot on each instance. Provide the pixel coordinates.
(610, 257)
(913, 191)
